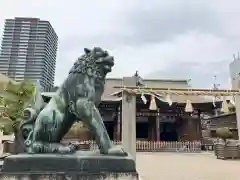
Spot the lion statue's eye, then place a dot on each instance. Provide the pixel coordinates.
(106, 54)
(99, 54)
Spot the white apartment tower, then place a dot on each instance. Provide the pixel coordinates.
(29, 50)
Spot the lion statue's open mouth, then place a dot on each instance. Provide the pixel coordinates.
(105, 61)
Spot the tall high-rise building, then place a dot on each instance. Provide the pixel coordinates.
(29, 50)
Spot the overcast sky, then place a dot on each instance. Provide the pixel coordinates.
(177, 39)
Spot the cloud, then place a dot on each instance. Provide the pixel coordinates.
(162, 20)
(161, 39)
(199, 62)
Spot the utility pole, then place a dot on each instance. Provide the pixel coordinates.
(215, 87)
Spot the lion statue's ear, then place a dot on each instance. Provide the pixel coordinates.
(87, 51)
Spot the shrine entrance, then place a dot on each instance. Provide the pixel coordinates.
(142, 126)
(168, 131)
(142, 130)
(110, 128)
(184, 114)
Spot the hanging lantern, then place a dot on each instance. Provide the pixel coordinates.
(168, 99)
(214, 102)
(144, 99)
(153, 105)
(231, 106)
(233, 100)
(224, 107)
(188, 107)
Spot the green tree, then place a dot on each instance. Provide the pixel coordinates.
(14, 99)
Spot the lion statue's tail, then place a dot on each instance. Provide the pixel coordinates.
(28, 141)
(26, 127)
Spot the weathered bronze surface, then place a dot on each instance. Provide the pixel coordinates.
(76, 99)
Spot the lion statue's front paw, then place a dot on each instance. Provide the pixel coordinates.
(67, 149)
(117, 151)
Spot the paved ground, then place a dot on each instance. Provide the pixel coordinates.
(180, 166)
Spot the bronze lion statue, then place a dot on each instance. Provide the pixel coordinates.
(76, 99)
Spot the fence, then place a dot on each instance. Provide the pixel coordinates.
(157, 146)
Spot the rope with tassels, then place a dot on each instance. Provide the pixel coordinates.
(182, 92)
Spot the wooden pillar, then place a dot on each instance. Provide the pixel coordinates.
(119, 125)
(129, 118)
(158, 126)
(115, 130)
(149, 130)
(191, 129)
(153, 130)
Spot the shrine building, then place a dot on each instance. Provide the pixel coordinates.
(175, 124)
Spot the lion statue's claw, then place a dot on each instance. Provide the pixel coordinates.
(117, 151)
(66, 149)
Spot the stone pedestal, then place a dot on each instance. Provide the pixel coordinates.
(80, 165)
(67, 176)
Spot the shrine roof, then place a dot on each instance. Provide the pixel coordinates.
(110, 91)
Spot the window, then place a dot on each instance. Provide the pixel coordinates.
(22, 56)
(23, 40)
(22, 53)
(22, 50)
(23, 37)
